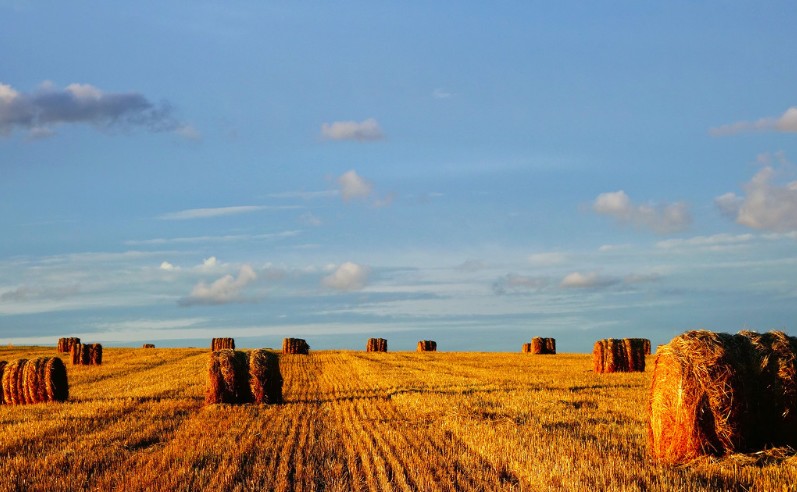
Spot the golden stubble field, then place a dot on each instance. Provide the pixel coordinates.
(356, 421)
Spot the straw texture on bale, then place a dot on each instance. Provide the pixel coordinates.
(716, 393)
(265, 378)
(149, 345)
(34, 381)
(65, 344)
(295, 346)
(376, 345)
(222, 343)
(2, 369)
(618, 355)
(527, 348)
(540, 345)
(427, 346)
(228, 377)
(86, 354)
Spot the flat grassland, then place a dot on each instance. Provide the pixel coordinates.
(356, 421)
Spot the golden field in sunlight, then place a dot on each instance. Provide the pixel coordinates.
(356, 421)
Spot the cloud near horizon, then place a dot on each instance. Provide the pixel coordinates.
(661, 219)
(786, 123)
(367, 130)
(224, 290)
(39, 112)
(348, 276)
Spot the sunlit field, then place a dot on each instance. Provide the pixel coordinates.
(356, 421)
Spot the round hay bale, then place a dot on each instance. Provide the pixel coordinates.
(526, 348)
(228, 377)
(95, 354)
(427, 346)
(13, 382)
(376, 345)
(74, 354)
(30, 381)
(700, 397)
(56, 382)
(295, 346)
(222, 343)
(2, 369)
(265, 378)
(148, 345)
(550, 345)
(635, 354)
(537, 345)
(598, 356)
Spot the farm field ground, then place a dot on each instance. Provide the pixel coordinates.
(356, 421)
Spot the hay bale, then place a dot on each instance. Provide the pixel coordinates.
(65, 344)
(2, 369)
(427, 346)
(13, 382)
(635, 354)
(540, 345)
(148, 345)
(647, 346)
(217, 344)
(715, 393)
(618, 355)
(526, 348)
(95, 354)
(265, 378)
(228, 377)
(56, 380)
(376, 345)
(295, 346)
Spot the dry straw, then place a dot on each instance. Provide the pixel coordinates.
(716, 393)
(427, 346)
(619, 355)
(34, 381)
(65, 344)
(2, 369)
(540, 345)
(228, 377)
(148, 345)
(376, 345)
(527, 348)
(295, 346)
(222, 343)
(265, 379)
(85, 354)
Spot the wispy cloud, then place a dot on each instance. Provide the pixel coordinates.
(513, 283)
(225, 290)
(767, 204)
(348, 276)
(787, 123)
(206, 213)
(705, 241)
(441, 94)
(351, 185)
(305, 195)
(39, 112)
(212, 239)
(662, 219)
(589, 280)
(367, 130)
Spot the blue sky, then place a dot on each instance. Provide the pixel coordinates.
(475, 173)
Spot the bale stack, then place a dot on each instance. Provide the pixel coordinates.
(716, 393)
(527, 348)
(619, 355)
(148, 345)
(228, 377)
(376, 345)
(265, 379)
(65, 344)
(295, 346)
(33, 381)
(427, 346)
(217, 344)
(86, 354)
(540, 345)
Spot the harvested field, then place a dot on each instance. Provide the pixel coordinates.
(356, 421)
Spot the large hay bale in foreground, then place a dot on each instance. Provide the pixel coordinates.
(716, 393)
(228, 377)
(265, 378)
(376, 345)
(618, 355)
(295, 346)
(222, 343)
(34, 381)
(427, 346)
(65, 344)
(148, 345)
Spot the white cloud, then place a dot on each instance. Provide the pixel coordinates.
(767, 205)
(352, 185)
(209, 262)
(787, 123)
(213, 239)
(168, 267)
(351, 130)
(705, 241)
(224, 290)
(348, 276)
(662, 219)
(48, 106)
(587, 280)
(205, 213)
